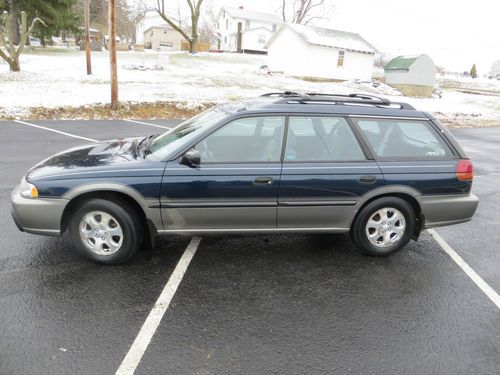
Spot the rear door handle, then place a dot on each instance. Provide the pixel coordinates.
(263, 180)
(367, 179)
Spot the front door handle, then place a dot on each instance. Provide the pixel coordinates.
(263, 181)
(367, 179)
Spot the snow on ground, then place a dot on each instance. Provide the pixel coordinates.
(56, 77)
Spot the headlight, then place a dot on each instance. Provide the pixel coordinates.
(28, 190)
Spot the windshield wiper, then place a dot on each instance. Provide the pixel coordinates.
(144, 145)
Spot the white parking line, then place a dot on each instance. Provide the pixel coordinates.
(141, 342)
(56, 131)
(488, 290)
(149, 124)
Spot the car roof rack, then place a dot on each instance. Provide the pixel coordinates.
(290, 97)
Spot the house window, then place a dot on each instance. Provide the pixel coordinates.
(340, 61)
(262, 38)
(227, 24)
(274, 28)
(164, 31)
(247, 24)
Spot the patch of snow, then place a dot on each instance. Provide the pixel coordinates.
(57, 77)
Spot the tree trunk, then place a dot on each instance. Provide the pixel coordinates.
(193, 42)
(14, 65)
(14, 12)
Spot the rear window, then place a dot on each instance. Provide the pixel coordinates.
(400, 139)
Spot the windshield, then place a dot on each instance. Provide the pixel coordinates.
(165, 143)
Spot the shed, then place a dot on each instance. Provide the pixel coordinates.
(316, 52)
(412, 75)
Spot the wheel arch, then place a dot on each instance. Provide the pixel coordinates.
(406, 193)
(110, 191)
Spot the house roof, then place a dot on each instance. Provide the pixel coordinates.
(328, 38)
(401, 62)
(252, 15)
(164, 26)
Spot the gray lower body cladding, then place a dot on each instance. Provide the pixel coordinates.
(38, 216)
(441, 210)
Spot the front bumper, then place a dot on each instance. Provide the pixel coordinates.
(37, 216)
(441, 210)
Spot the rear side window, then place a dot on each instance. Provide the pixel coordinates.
(321, 139)
(400, 139)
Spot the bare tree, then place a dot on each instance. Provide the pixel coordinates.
(207, 25)
(382, 58)
(194, 8)
(303, 11)
(12, 53)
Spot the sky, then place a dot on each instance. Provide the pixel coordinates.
(454, 34)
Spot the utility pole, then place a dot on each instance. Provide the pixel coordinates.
(86, 26)
(112, 53)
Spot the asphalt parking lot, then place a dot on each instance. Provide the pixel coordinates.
(281, 304)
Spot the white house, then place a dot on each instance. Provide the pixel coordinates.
(145, 21)
(315, 52)
(241, 30)
(412, 75)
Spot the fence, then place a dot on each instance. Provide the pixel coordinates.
(202, 47)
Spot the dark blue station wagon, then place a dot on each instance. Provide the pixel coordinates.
(284, 162)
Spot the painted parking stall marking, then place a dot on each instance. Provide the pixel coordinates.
(148, 124)
(148, 329)
(478, 280)
(56, 131)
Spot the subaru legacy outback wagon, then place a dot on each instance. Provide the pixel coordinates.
(283, 162)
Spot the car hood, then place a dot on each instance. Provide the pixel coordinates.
(103, 155)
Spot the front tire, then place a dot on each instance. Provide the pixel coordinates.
(106, 231)
(384, 226)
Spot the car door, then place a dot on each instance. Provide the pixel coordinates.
(235, 186)
(325, 172)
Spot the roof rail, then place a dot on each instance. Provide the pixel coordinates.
(351, 99)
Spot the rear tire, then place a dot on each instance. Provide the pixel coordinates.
(106, 231)
(384, 226)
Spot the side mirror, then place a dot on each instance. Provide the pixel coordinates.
(191, 158)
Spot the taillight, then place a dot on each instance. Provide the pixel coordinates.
(465, 170)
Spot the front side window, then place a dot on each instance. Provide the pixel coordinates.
(262, 38)
(403, 139)
(246, 140)
(169, 141)
(321, 139)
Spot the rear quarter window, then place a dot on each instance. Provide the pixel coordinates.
(403, 139)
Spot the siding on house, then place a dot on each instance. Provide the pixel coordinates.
(149, 19)
(411, 70)
(163, 38)
(255, 27)
(291, 53)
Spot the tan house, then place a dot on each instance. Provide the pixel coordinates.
(163, 38)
